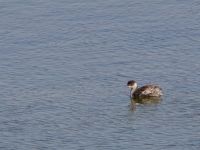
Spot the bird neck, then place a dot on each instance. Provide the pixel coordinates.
(132, 91)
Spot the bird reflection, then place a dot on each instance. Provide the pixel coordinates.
(144, 101)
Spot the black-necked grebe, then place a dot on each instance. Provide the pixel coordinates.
(144, 91)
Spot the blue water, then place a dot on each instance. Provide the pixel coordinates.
(64, 66)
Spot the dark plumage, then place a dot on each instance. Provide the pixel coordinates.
(148, 91)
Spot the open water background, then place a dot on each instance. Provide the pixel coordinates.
(64, 66)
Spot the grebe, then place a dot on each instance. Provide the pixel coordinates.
(144, 91)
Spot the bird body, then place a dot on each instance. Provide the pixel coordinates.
(148, 91)
(144, 91)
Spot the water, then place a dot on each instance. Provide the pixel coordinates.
(64, 66)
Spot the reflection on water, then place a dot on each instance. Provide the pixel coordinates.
(144, 101)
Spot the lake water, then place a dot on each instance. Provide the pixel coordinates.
(64, 66)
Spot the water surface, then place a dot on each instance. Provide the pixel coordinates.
(64, 66)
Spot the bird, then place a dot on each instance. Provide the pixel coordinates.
(146, 91)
